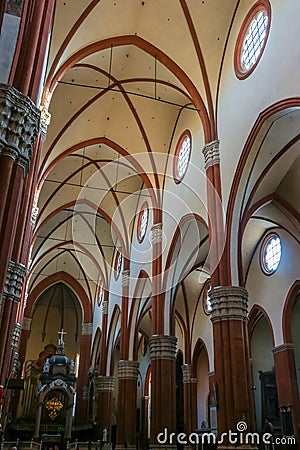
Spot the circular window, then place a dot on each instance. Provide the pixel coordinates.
(100, 294)
(252, 39)
(142, 222)
(206, 300)
(182, 156)
(270, 253)
(118, 264)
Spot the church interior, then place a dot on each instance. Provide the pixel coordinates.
(149, 223)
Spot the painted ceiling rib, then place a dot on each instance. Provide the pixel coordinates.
(137, 94)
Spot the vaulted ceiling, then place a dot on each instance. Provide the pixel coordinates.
(120, 76)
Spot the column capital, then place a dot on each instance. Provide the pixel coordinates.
(162, 347)
(85, 392)
(26, 324)
(128, 369)
(45, 120)
(211, 154)
(187, 374)
(105, 383)
(20, 123)
(16, 335)
(15, 275)
(156, 233)
(125, 278)
(105, 307)
(87, 328)
(228, 302)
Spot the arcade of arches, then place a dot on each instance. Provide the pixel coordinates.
(149, 212)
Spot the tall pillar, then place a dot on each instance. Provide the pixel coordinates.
(105, 387)
(144, 421)
(10, 299)
(103, 349)
(26, 326)
(37, 424)
(163, 387)
(190, 399)
(127, 400)
(232, 362)
(81, 416)
(217, 259)
(20, 122)
(157, 294)
(287, 388)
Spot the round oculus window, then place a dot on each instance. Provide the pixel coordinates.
(270, 254)
(142, 222)
(182, 156)
(252, 39)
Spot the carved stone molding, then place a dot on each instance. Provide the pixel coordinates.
(156, 233)
(211, 154)
(85, 392)
(105, 307)
(15, 275)
(128, 369)
(26, 325)
(19, 125)
(105, 383)
(162, 347)
(16, 335)
(228, 302)
(45, 121)
(87, 328)
(125, 278)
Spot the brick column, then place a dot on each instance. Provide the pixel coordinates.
(127, 398)
(157, 294)
(10, 299)
(219, 268)
(26, 326)
(163, 387)
(20, 122)
(287, 388)
(190, 399)
(83, 380)
(105, 387)
(232, 362)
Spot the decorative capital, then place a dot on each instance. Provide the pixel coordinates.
(187, 373)
(211, 154)
(45, 120)
(162, 347)
(105, 307)
(228, 302)
(105, 384)
(87, 328)
(156, 233)
(128, 369)
(16, 335)
(26, 325)
(15, 275)
(125, 278)
(19, 126)
(85, 392)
